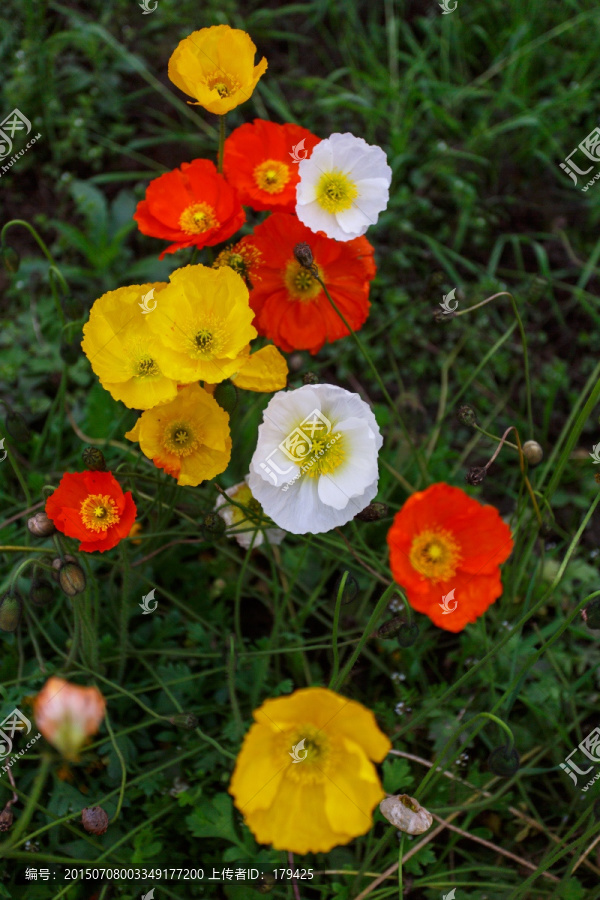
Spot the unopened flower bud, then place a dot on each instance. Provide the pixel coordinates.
(466, 415)
(41, 592)
(6, 819)
(591, 614)
(310, 378)
(17, 427)
(504, 761)
(442, 316)
(58, 563)
(11, 607)
(408, 634)
(392, 628)
(71, 578)
(533, 452)
(373, 512)
(350, 592)
(226, 395)
(213, 527)
(303, 254)
(94, 819)
(40, 525)
(93, 459)
(10, 259)
(265, 882)
(184, 720)
(476, 474)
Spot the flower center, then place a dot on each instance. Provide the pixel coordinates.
(178, 438)
(324, 459)
(435, 554)
(204, 338)
(335, 192)
(315, 756)
(223, 84)
(146, 368)
(98, 512)
(242, 258)
(197, 218)
(272, 176)
(300, 283)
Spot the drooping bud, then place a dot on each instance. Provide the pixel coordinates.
(6, 819)
(350, 592)
(476, 474)
(17, 427)
(391, 629)
(504, 761)
(184, 720)
(303, 254)
(591, 614)
(310, 378)
(40, 525)
(213, 527)
(406, 814)
(93, 459)
(265, 882)
(373, 512)
(226, 395)
(71, 578)
(41, 592)
(58, 563)
(10, 259)
(94, 820)
(466, 415)
(11, 607)
(533, 452)
(408, 634)
(441, 315)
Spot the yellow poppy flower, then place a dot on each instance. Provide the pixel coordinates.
(263, 371)
(204, 321)
(216, 66)
(123, 352)
(189, 437)
(304, 779)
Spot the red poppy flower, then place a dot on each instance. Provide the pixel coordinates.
(290, 305)
(261, 161)
(193, 206)
(442, 540)
(91, 507)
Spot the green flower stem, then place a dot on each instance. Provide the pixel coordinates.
(33, 233)
(384, 391)
(221, 144)
(400, 856)
(124, 610)
(82, 609)
(238, 595)
(235, 706)
(18, 473)
(17, 549)
(25, 818)
(123, 766)
(379, 608)
(334, 635)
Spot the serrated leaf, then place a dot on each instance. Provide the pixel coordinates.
(214, 819)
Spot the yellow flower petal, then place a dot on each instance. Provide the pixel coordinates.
(266, 370)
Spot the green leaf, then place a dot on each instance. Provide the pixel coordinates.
(214, 819)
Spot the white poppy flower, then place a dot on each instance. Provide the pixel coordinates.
(315, 463)
(343, 186)
(239, 526)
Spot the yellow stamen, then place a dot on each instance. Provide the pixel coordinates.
(335, 192)
(223, 84)
(435, 554)
(179, 438)
(300, 283)
(197, 218)
(146, 368)
(323, 460)
(272, 176)
(98, 512)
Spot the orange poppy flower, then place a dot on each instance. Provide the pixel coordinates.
(290, 305)
(261, 162)
(91, 507)
(193, 206)
(441, 541)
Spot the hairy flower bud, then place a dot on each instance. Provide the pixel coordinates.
(504, 761)
(71, 578)
(10, 259)
(226, 395)
(310, 378)
(93, 459)
(441, 316)
(591, 614)
(213, 527)
(303, 254)
(184, 720)
(40, 525)
(58, 563)
(533, 452)
(476, 474)
(265, 883)
(41, 592)
(11, 607)
(466, 415)
(6, 819)
(408, 634)
(373, 512)
(391, 628)
(94, 819)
